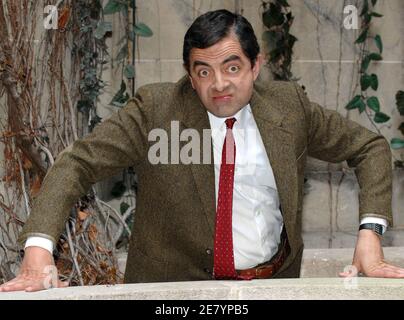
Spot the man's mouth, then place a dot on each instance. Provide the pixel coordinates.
(223, 98)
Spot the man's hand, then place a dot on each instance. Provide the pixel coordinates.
(369, 259)
(38, 272)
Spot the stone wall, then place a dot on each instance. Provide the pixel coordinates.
(275, 289)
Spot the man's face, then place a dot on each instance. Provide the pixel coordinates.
(223, 77)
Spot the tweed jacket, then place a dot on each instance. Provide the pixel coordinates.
(175, 207)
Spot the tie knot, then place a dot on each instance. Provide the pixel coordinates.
(230, 123)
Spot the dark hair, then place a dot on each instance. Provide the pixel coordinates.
(213, 26)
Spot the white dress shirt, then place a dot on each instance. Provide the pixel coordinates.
(257, 220)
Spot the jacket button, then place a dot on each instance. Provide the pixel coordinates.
(208, 251)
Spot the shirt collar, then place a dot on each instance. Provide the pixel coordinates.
(241, 118)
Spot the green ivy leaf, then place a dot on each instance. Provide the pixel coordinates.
(401, 128)
(118, 189)
(129, 71)
(373, 103)
(375, 56)
(270, 38)
(365, 7)
(123, 207)
(121, 97)
(142, 30)
(379, 43)
(399, 164)
(365, 81)
(113, 6)
(122, 54)
(273, 16)
(84, 106)
(381, 117)
(362, 37)
(377, 15)
(400, 102)
(291, 40)
(367, 18)
(374, 81)
(102, 28)
(397, 143)
(356, 102)
(94, 121)
(365, 63)
(276, 54)
(362, 106)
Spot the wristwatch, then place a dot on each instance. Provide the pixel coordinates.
(378, 228)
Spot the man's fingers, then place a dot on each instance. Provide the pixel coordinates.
(19, 285)
(4, 285)
(10, 284)
(36, 286)
(380, 270)
(395, 268)
(31, 283)
(386, 271)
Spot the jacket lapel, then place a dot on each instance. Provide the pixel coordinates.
(196, 117)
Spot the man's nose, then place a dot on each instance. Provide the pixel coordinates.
(220, 83)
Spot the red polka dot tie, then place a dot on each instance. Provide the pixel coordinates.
(223, 252)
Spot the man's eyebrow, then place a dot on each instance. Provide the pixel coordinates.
(200, 63)
(231, 58)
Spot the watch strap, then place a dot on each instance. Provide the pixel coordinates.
(378, 228)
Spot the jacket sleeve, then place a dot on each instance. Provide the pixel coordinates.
(334, 138)
(117, 143)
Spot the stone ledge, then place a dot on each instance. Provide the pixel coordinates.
(318, 281)
(275, 289)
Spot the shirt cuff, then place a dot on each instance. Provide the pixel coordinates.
(39, 242)
(381, 221)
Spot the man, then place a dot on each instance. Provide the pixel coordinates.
(224, 220)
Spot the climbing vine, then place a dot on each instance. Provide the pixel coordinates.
(367, 101)
(89, 52)
(278, 19)
(127, 42)
(398, 143)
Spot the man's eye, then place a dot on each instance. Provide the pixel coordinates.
(203, 73)
(233, 69)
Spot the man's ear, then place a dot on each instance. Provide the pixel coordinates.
(189, 75)
(192, 82)
(257, 66)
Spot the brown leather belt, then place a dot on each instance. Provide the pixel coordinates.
(268, 269)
